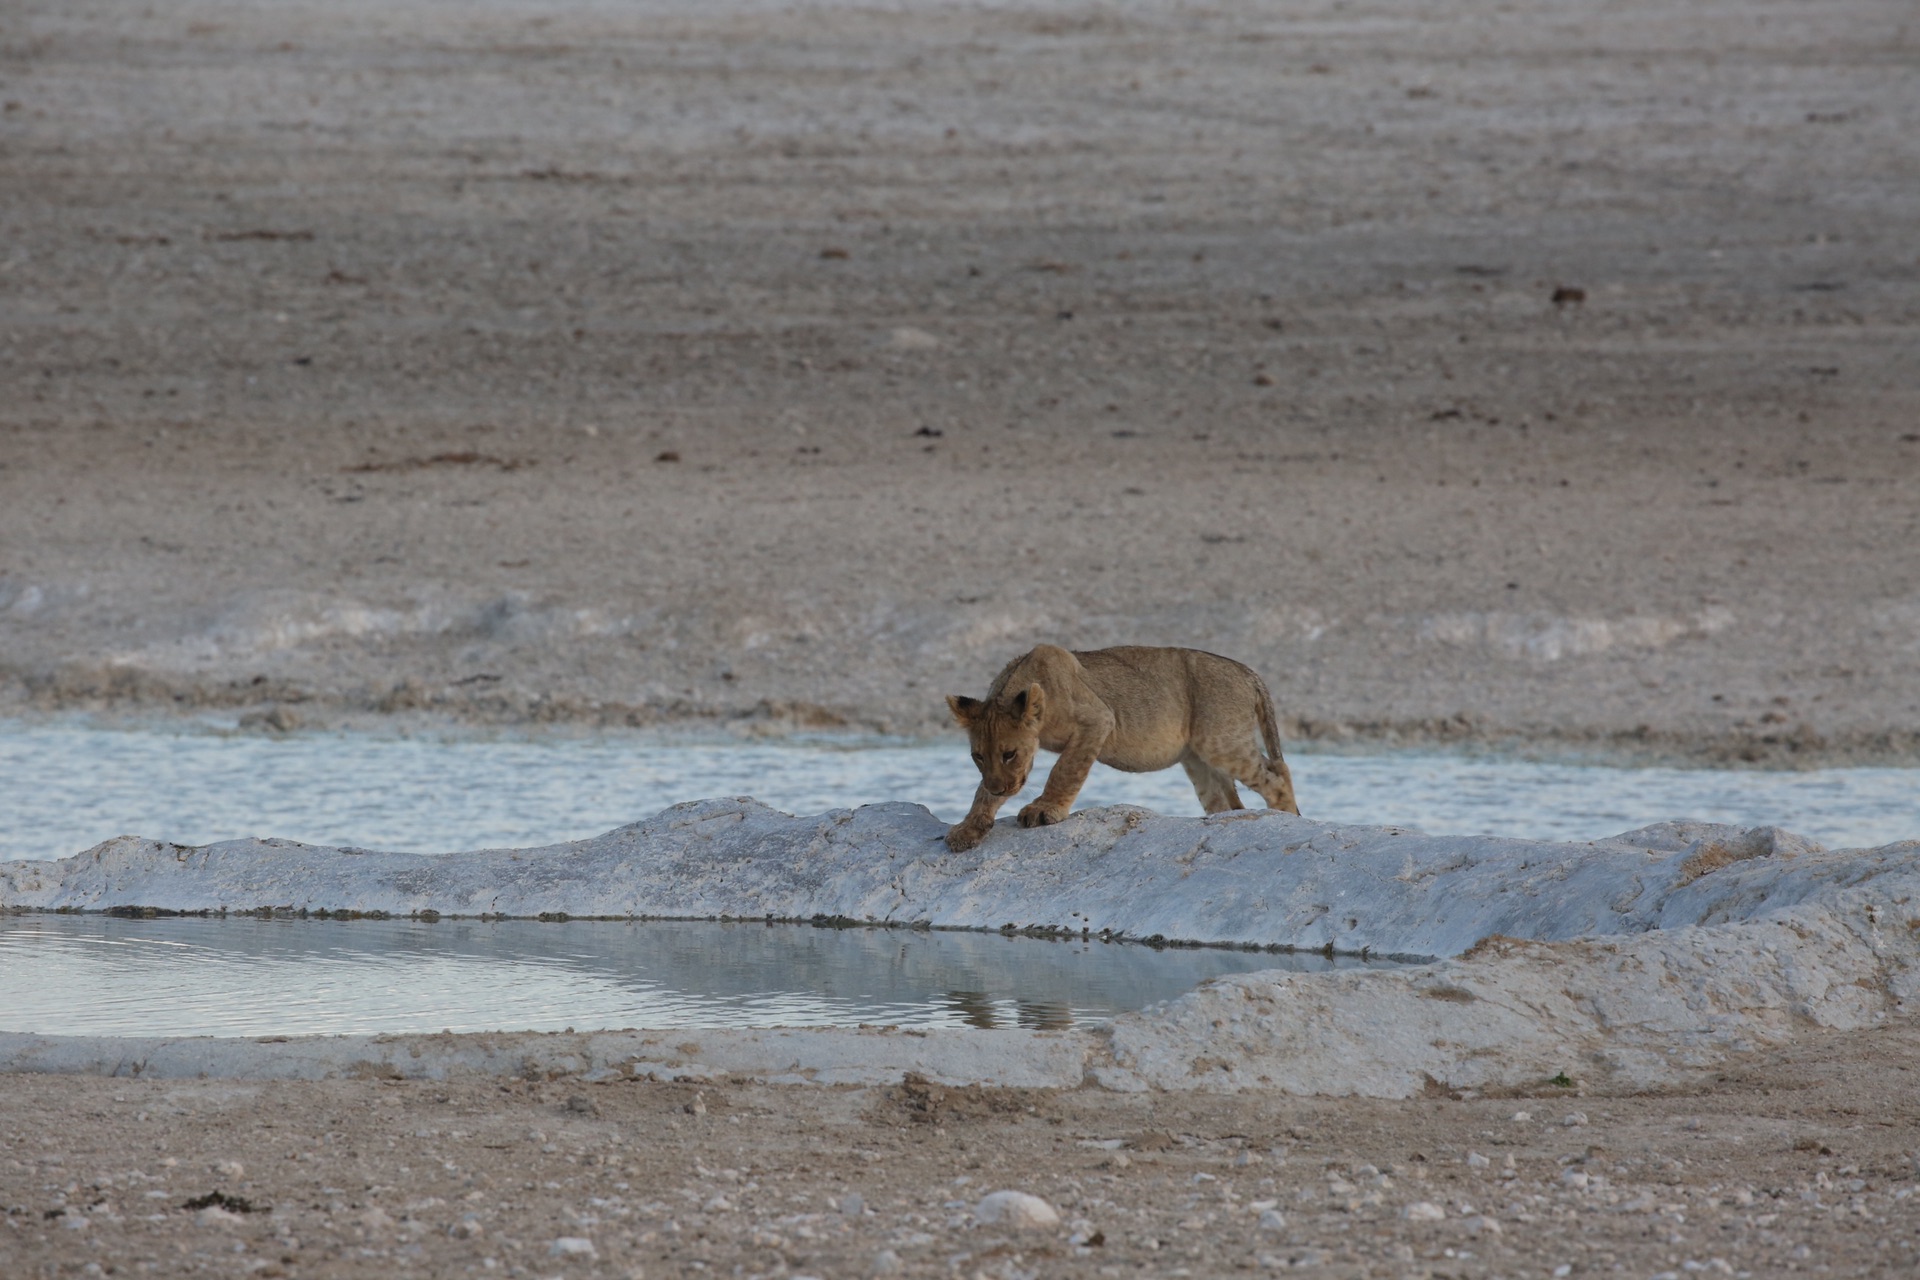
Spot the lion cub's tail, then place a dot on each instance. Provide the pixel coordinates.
(1269, 722)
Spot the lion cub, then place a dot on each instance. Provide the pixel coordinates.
(1133, 708)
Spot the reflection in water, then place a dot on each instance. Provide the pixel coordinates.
(979, 1009)
(105, 975)
(1044, 1015)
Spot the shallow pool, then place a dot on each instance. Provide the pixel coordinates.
(66, 787)
(245, 976)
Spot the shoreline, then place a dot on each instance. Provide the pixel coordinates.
(449, 714)
(1043, 933)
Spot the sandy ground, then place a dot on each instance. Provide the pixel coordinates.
(1800, 1163)
(746, 365)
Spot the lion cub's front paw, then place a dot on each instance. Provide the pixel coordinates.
(1041, 815)
(963, 837)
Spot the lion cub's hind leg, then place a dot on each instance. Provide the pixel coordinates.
(1276, 786)
(1246, 762)
(1214, 787)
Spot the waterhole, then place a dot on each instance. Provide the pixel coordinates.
(246, 976)
(65, 788)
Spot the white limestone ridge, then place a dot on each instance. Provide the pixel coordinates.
(1622, 962)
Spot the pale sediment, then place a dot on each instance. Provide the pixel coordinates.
(1627, 962)
(869, 1055)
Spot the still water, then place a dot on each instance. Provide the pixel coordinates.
(243, 976)
(66, 787)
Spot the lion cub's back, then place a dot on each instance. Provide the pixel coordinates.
(1157, 691)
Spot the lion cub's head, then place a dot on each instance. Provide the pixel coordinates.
(1004, 734)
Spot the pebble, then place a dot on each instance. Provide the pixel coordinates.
(229, 1168)
(1304, 1260)
(1477, 1161)
(1521, 1117)
(1424, 1211)
(214, 1216)
(573, 1247)
(74, 1222)
(466, 1229)
(1016, 1209)
(1272, 1220)
(910, 339)
(1574, 1119)
(887, 1263)
(1575, 1178)
(1483, 1226)
(853, 1206)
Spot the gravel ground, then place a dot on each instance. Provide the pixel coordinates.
(1795, 1163)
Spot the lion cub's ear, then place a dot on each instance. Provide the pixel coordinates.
(965, 710)
(1030, 704)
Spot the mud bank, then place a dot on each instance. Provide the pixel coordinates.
(1636, 960)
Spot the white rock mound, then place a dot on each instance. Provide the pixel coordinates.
(1623, 963)
(1251, 877)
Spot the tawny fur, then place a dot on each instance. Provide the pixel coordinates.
(1133, 708)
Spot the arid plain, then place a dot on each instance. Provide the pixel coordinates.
(732, 364)
(1533, 374)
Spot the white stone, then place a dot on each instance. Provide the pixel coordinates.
(910, 339)
(1575, 1179)
(1016, 1209)
(1272, 1220)
(1521, 1117)
(572, 1247)
(1423, 1211)
(1574, 1119)
(229, 1168)
(1483, 1226)
(1477, 1161)
(886, 1263)
(214, 1216)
